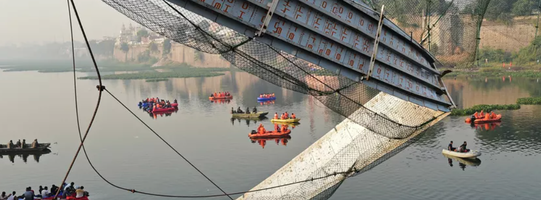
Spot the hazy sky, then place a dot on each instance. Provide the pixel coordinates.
(38, 21)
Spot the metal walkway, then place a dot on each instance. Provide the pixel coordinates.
(338, 35)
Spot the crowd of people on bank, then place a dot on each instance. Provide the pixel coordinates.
(67, 190)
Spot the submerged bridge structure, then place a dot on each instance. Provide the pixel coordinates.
(345, 54)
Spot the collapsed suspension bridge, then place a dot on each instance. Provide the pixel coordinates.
(351, 58)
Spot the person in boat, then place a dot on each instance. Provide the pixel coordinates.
(28, 195)
(10, 144)
(286, 115)
(54, 189)
(283, 116)
(4, 196)
(275, 115)
(232, 110)
(463, 147)
(23, 143)
(254, 110)
(18, 144)
(80, 192)
(175, 101)
(35, 143)
(239, 110)
(450, 147)
(247, 110)
(284, 128)
(211, 95)
(276, 128)
(273, 95)
(293, 116)
(45, 192)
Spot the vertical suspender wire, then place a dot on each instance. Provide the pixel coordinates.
(100, 89)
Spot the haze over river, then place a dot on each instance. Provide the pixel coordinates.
(40, 105)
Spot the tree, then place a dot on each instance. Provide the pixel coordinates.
(523, 7)
(166, 46)
(124, 47)
(153, 47)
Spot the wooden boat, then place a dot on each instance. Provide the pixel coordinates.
(470, 154)
(269, 134)
(27, 148)
(285, 120)
(251, 115)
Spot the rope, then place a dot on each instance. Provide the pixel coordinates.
(100, 89)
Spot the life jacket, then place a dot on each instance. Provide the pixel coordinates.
(293, 116)
(275, 116)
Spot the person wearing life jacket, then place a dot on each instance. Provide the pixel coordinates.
(261, 129)
(293, 116)
(482, 115)
(282, 116)
(215, 94)
(286, 115)
(276, 128)
(275, 115)
(284, 128)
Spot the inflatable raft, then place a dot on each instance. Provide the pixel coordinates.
(470, 154)
(222, 97)
(266, 99)
(163, 110)
(285, 120)
(497, 118)
(269, 134)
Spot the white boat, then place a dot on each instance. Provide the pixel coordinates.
(471, 154)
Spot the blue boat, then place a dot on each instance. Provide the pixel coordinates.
(266, 99)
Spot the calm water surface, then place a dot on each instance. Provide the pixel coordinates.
(40, 105)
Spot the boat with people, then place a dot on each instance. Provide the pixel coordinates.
(150, 102)
(269, 134)
(479, 118)
(276, 133)
(458, 154)
(266, 97)
(220, 96)
(22, 147)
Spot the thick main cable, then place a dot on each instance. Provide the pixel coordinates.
(100, 89)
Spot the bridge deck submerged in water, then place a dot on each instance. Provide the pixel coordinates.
(337, 35)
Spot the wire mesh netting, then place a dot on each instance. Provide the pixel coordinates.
(448, 28)
(340, 94)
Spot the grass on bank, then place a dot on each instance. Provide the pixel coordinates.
(157, 80)
(529, 101)
(485, 108)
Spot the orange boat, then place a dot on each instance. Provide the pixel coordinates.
(269, 134)
(487, 119)
(221, 98)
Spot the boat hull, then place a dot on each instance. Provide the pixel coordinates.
(270, 134)
(221, 98)
(285, 120)
(28, 148)
(471, 154)
(251, 115)
(266, 99)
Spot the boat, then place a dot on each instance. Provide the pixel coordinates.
(251, 115)
(285, 120)
(27, 148)
(164, 110)
(222, 97)
(266, 98)
(496, 118)
(269, 134)
(470, 154)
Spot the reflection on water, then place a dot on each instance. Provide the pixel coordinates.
(221, 101)
(24, 156)
(470, 92)
(279, 141)
(462, 162)
(485, 126)
(248, 122)
(263, 103)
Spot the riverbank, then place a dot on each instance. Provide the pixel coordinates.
(485, 108)
(164, 73)
(493, 72)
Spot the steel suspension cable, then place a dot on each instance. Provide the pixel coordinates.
(100, 89)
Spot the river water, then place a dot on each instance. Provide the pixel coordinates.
(40, 105)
